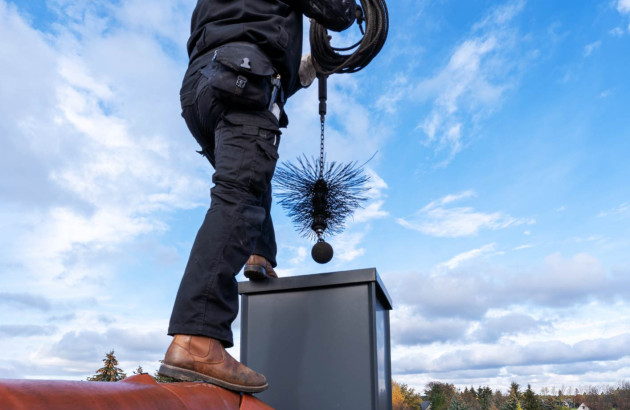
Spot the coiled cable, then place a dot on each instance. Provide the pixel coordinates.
(330, 60)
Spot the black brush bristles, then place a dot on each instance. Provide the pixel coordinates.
(320, 199)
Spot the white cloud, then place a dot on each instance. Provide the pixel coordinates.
(511, 357)
(620, 210)
(26, 100)
(411, 328)
(111, 174)
(454, 197)
(525, 246)
(582, 275)
(501, 15)
(347, 245)
(437, 220)
(373, 209)
(589, 48)
(471, 85)
(491, 329)
(376, 185)
(604, 94)
(528, 345)
(617, 32)
(168, 20)
(89, 120)
(79, 353)
(462, 81)
(549, 352)
(300, 256)
(456, 260)
(472, 291)
(623, 7)
(395, 93)
(25, 301)
(17, 331)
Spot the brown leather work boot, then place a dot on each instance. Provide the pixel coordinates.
(191, 358)
(257, 267)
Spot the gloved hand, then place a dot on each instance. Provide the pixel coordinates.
(336, 15)
(307, 70)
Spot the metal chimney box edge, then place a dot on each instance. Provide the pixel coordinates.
(299, 330)
(319, 280)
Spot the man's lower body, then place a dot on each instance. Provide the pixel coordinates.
(242, 146)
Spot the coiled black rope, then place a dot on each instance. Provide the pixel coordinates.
(330, 60)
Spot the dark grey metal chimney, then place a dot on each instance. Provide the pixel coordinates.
(322, 340)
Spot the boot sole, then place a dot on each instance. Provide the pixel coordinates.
(255, 272)
(192, 376)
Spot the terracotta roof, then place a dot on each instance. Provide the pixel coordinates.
(137, 392)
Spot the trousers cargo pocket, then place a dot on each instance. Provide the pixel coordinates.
(266, 159)
(230, 155)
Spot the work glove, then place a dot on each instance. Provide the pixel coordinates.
(307, 70)
(336, 15)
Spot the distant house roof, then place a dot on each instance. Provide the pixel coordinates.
(426, 405)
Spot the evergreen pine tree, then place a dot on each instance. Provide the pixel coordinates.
(139, 370)
(457, 404)
(514, 390)
(512, 403)
(110, 372)
(439, 394)
(498, 399)
(485, 397)
(530, 401)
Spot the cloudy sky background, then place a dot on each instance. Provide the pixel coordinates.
(499, 215)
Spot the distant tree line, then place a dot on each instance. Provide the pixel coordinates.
(444, 396)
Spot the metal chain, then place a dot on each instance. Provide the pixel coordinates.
(321, 149)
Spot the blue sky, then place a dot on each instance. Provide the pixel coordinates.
(498, 216)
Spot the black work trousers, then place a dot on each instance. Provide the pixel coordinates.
(242, 146)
